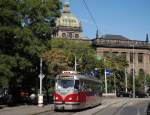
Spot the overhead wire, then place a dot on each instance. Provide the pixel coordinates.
(90, 13)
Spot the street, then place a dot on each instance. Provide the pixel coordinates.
(112, 106)
(109, 106)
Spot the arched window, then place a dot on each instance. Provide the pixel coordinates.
(64, 35)
(131, 72)
(141, 71)
(76, 35)
(70, 35)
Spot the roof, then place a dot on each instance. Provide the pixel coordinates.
(114, 37)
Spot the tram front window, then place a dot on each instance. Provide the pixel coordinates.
(65, 84)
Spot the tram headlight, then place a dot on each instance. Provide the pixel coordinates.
(56, 98)
(70, 98)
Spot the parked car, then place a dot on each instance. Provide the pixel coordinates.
(123, 94)
(140, 94)
(3, 95)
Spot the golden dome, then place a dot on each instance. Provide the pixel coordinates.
(67, 19)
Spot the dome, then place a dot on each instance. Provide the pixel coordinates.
(67, 19)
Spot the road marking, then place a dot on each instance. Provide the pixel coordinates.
(138, 111)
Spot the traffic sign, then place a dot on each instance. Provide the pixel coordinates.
(107, 72)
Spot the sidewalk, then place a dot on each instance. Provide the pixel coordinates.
(25, 109)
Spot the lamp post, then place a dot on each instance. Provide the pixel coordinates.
(126, 80)
(145, 82)
(145, 79)
(75, 64)
(133, 73)
(41, 76)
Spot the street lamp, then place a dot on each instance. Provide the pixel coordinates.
(133, 72)
(145, 79)
(126, 80)
(40, 95)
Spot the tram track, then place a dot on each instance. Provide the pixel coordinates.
(136, 106)
(95, 110)
(106, 107)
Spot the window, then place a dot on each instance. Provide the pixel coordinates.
(131, 71)
(140, 58)
(65, 84)
(141, 71)
(115, 53)
(64, 35)
(76, 35)
(123, 54)
(131, 57)
(105, 53)
(70, 35)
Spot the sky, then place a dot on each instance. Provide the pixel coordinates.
(129, 18)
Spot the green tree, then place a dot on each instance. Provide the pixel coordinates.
(70, 49)
(117, 65)
(24, 25)
(56, 61)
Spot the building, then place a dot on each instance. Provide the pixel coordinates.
(133, 50)
(68, 26)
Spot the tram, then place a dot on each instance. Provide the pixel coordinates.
(74, 91)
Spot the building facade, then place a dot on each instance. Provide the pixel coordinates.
(68, 26)
(135, 52)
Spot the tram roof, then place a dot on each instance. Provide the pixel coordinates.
(76, 75)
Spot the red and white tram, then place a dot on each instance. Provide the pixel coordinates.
(75, 91)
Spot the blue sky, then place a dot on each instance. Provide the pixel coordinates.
(130, 18)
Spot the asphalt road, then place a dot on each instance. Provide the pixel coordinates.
(114, 106)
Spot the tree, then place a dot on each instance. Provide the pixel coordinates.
(56, 61)
(63, 53)
(24, 25)
(117, 65)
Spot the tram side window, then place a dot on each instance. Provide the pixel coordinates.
(82, 85)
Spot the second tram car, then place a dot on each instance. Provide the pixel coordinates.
(75, 91)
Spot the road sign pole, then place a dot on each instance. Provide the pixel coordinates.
(105, 82)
